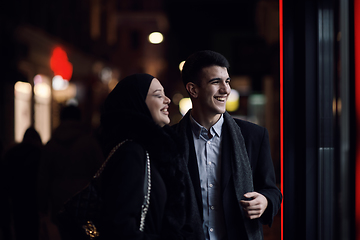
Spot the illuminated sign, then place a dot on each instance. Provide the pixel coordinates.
(60, 64)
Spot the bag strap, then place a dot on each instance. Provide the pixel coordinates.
(101, 169)
(147, 190)
(147, 182)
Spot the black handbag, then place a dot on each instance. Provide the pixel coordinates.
(82, 214)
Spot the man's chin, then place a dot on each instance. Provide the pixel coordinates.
(219, 112)
(222, 110)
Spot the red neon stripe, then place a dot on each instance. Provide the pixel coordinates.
(281, 113)
(357, 109)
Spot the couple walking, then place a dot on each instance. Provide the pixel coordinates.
(212, 176)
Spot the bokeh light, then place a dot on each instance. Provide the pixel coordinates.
(232, 104)
(176, 98)
(58, 83)
(181, 65)
(184, 105)
(42, 90)
(156, 37)
(22, 87)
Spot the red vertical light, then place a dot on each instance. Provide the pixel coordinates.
(60, 64)
(357, 106)
(281, 113)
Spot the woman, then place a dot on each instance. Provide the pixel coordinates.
(137, 110)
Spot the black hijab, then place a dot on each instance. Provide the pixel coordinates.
(129, 95)
(124, 104)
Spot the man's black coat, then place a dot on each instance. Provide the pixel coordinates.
(258, 150)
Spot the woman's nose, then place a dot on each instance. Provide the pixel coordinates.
(167, 100)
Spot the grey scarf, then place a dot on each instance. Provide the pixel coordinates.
(242, 173)
(240, 165)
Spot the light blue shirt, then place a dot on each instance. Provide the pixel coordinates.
(208, 154)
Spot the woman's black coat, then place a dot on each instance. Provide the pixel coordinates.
(171, 214)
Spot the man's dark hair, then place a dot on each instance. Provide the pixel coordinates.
(199, 60)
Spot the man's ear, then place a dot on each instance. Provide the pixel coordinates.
(192, 89)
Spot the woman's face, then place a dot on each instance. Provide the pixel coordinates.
(158, 103)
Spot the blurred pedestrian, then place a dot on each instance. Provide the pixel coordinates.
(69, 160)
(20, 176)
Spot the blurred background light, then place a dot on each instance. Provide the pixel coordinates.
(176, 98)
(156, 37)
(72, 102)
(22, 109)
(257, 99)
(58, 83)
(184, 105)
(232, 104)
(112, 84)
(38, 79)
(181, 65)
(42, 110)
(106, 75)
(42, 90)
(60, 64)
(61, 96)
(22, 87)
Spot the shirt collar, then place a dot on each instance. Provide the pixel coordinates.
(198, 129)
(217, 127)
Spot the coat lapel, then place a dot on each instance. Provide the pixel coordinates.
(226, 155)
(184, 129)
(194, 172)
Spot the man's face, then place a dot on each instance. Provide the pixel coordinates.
(213, 90)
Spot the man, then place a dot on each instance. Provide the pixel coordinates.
(228, 159)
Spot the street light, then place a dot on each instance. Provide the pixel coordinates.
(156, 37)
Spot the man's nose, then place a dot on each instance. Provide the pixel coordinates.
(225, 88)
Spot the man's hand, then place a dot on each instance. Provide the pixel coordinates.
(255, 206)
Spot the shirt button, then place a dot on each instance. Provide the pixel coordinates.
(211, 229)
(210, 185)
(209, 163)
(212, 207)
(208, 142)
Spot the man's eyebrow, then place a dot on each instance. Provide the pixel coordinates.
(214, 79)
(217, 79)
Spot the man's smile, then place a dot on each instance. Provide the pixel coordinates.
(221, 99)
